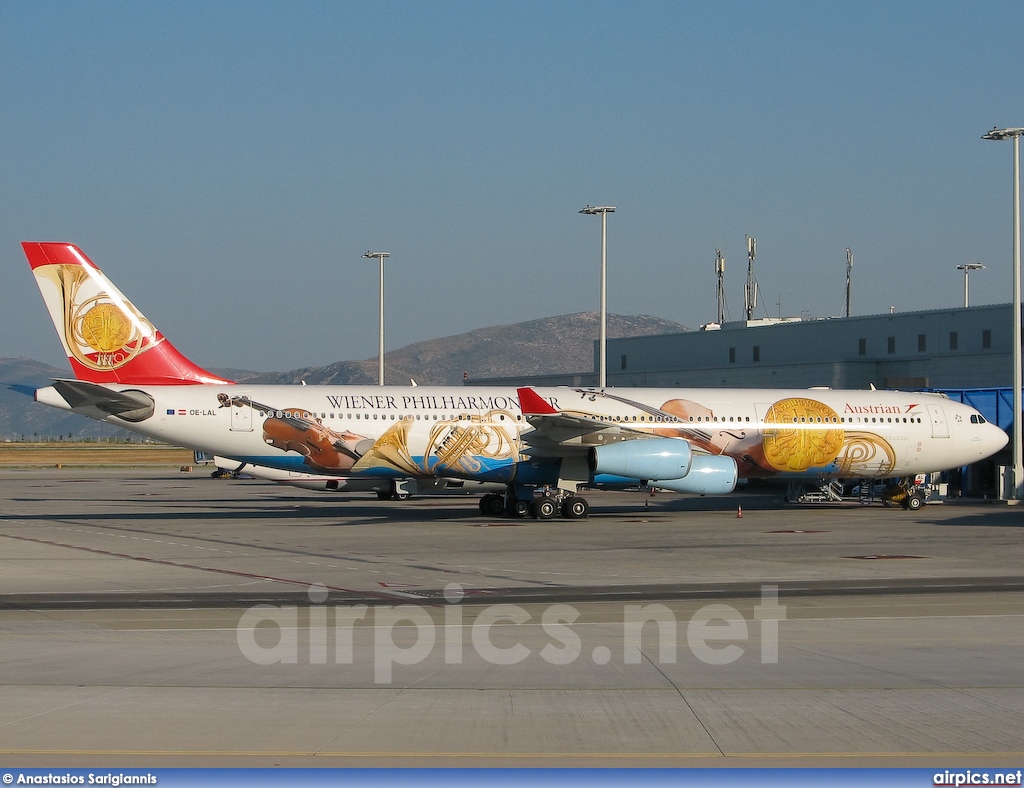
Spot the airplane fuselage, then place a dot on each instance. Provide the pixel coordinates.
(478, 432)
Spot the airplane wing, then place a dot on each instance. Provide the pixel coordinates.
(589, 446)
(561, 433)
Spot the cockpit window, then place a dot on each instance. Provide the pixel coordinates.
(977, 418)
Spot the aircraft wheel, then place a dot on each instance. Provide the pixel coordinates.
(517, 507)
(383, 495)
(544, 508)
(575, 508)
(491, 505)
(914, 502)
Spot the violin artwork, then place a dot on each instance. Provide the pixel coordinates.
(298, 430)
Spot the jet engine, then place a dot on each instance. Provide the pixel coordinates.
(654, 458)
(709, 475)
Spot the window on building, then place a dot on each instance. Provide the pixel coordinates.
(892, 344)
(986, 338)
(952, 340)
(732, 355)
(922, 343)
(623, 362)
(757, 352)
(862, 347)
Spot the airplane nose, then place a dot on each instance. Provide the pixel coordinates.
(985, 438)
(994, 439)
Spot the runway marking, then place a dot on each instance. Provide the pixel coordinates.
(232, 572)
(510, 572)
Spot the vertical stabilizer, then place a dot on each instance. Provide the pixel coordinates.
(106, 339)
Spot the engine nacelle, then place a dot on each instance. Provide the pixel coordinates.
(646, 459)
(709, 475)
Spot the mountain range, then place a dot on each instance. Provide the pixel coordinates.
(536, 347)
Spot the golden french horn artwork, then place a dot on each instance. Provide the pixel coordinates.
(100, 334)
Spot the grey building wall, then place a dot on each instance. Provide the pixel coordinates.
(945, 348)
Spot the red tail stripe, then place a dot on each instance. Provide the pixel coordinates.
(44, 253)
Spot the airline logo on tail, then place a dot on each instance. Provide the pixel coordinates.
(107, 340)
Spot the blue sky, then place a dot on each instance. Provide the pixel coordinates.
(228, 163)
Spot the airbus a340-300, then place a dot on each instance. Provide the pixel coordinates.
(540, 444)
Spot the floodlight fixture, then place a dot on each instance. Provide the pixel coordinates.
(603, 210)
(380, 345)
(1018, 461)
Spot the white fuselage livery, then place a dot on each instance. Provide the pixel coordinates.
(360, 433)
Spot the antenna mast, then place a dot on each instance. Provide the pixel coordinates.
(750, 294)
(720, 272)
(849, 279)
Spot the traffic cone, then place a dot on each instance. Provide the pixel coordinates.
(739, 512)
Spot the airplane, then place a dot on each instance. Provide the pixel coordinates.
(542, 445)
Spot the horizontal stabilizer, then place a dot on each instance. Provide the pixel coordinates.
(131, 406)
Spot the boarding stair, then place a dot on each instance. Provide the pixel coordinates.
(828, 492)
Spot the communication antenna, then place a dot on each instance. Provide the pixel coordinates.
(750, 294)
(720, 272)
(849, 279)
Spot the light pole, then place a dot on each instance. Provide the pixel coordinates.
(380, 346)
(604, 210)
(967, 268)
(1018, 464)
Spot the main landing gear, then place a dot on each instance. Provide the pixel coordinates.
(542, 507)
(398, 490)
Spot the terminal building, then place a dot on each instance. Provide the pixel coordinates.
(965, 353)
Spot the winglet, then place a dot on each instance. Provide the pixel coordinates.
(107, 340)
(532, 404)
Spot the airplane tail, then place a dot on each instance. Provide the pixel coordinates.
(107, 340)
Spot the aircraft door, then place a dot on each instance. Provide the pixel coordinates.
(761, 409)
(241, 414)
(940, 429)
